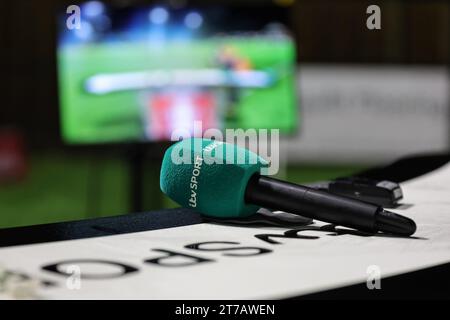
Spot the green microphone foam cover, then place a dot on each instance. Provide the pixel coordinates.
(210, 176)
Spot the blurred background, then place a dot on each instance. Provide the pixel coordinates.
(86, 113)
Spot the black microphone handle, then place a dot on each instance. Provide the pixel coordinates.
(280, 195)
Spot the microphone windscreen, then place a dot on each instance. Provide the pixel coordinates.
(210, 176)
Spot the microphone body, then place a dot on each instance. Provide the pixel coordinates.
(208, 182)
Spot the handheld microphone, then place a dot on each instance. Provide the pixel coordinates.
(223, 180)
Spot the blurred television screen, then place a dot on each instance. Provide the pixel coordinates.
(138, 73)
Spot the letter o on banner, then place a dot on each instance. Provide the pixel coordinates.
(123, 269)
